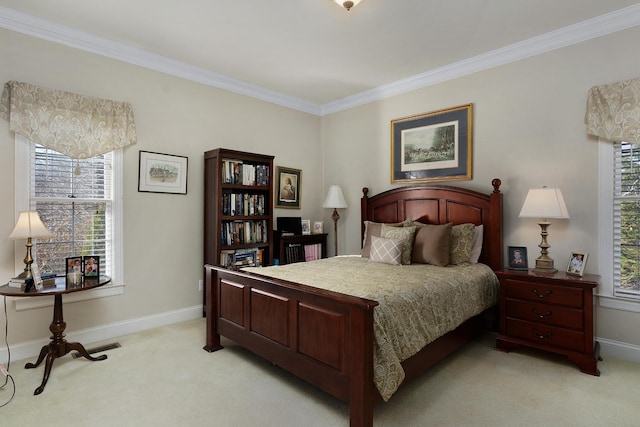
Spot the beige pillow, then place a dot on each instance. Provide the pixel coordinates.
(432, 244)
(461, 243)
(405, 234)
(387, 251)
(476, 244)
(374, 229)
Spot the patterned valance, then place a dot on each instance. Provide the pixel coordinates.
(613, 111)
(75, 125)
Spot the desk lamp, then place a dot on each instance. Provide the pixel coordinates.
(28, 226)
(335, 200)
(544, 203)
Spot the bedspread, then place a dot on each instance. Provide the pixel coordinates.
(418, 303)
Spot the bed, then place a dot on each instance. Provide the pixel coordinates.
(327, 337)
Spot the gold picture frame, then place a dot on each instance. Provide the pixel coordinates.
(435, 146)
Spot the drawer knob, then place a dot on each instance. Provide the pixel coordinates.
(541, 335)
(541, 295)
(540, 315)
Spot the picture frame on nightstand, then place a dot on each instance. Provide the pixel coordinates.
(577, 263)
(517, 258)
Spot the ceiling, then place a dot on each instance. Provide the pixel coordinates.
(314, 55)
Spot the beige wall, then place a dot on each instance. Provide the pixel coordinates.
(163, 232)
(528, 131)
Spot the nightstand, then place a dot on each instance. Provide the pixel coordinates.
(552, 312)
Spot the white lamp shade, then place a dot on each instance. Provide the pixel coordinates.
(29, 225)
(544, 203)
(335, 198)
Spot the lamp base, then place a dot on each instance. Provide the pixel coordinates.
(544, 265)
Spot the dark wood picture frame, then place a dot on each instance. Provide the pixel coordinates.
(435, 146)
(91, 266)
(162, 173)
(289, 182)
(517, 256)
(73, 271)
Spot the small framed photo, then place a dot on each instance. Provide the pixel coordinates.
(577, 263)
(318, 227)
(306, 226)
(74, 271)
(91, 265)
(518, 258)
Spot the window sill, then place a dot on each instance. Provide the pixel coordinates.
(22, 303)
(619, 303)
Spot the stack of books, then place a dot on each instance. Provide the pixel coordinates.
(48, 281)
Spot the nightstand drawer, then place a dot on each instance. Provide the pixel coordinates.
(546, 335)
(545, 313)
(548, 294)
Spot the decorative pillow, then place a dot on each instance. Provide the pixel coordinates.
(374, 229)
(387, 251)
(432, 244)
(461, 243)
(405, 234)
(476, 244)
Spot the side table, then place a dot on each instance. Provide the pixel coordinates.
(552, 312)
(58, 346)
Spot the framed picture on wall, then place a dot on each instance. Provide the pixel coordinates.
(435, 146)
(288, 183)
(162, 173)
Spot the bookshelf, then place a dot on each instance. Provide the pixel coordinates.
(238, 208)
(300, 247)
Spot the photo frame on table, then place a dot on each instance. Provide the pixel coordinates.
(289, 182)
(306, 226)
(517, 258)
(318, 227)
(162, 173)
(577, 263)
(73, 274)
(91, 266)
(435, 146)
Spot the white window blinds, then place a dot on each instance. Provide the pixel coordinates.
(626, 220)
(74, 198)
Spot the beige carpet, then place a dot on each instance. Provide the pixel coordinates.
(162, 377)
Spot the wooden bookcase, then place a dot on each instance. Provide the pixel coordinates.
(238, 208)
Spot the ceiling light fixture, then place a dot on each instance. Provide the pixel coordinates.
(347, 4)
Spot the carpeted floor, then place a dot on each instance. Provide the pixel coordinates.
(162, 377)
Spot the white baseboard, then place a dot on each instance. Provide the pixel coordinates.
(31, 349)
(619, 350)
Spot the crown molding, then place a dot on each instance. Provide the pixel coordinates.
(20, 22)
(586, 30)
(582, 31)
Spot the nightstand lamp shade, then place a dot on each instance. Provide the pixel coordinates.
(335, 200)
(544, 204)
(28, 226)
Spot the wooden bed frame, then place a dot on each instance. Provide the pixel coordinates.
(326, 338)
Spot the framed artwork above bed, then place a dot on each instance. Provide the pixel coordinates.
(435, 146)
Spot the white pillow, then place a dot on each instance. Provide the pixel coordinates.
(387, 251)
(476, 244)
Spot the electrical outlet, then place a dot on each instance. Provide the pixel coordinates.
(200, 285)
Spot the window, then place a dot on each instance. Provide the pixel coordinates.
(626, 220)
(78, 201)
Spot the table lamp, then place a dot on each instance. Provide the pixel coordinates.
(335, 200)
(544, 204)
(28, 226)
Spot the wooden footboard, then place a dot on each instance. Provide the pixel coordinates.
(323, 337)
